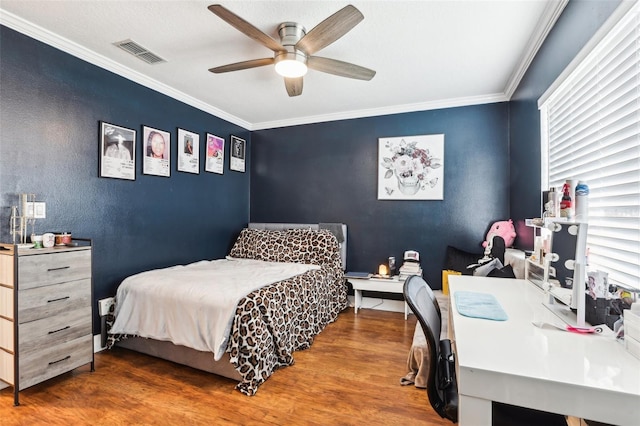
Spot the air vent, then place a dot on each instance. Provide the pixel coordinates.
(139, 52)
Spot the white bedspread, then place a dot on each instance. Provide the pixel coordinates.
(194, 305)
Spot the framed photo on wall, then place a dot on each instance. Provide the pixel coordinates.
(238, 154)
(117, 152)
(157, 152)
(411, 168)
(188, 152)
(214, 162)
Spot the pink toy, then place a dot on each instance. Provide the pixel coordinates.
(504, 229)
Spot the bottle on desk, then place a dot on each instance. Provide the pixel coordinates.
(551, 203)
(582, 201)
(566, 204)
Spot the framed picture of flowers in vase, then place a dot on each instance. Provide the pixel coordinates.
(411, 168)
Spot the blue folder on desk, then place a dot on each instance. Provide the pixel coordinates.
(479, 305)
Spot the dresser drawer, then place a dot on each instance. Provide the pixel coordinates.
(6, 302)
(43, 302)
(6, 269)
(6, 367)
(6, 334)
(53, 268)
(55, 360)
(70, 325)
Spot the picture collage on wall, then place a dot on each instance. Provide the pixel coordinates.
(118, 152)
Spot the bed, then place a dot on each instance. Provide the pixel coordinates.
(254, 333)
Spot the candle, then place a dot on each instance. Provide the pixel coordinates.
(382, 270)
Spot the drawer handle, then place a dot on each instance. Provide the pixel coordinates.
(57, 300)
(58, 269)
(62, 329)
(60, 360)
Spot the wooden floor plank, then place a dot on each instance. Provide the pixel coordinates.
(350, 375)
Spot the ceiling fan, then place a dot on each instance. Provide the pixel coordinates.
(294, 53)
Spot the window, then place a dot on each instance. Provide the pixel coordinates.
(591, 132)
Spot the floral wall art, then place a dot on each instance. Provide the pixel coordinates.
(411, 168)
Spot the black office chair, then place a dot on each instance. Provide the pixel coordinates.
(442, 388)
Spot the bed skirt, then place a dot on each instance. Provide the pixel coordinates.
(182, 355)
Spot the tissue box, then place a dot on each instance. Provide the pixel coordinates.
(631, 324)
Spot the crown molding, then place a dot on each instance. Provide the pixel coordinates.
(38, 33)
(374, 112)
(552, 12)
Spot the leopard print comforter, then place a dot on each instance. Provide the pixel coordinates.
(274, 321)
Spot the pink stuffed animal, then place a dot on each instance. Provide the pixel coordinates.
(504, 229)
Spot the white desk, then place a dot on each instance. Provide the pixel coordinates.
(376, 284)
(587, 376)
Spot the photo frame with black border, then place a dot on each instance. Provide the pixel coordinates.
(238, 148)
(214, 154)
(156, 146)
(117, 152)
(188, 151)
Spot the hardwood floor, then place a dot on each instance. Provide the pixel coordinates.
(350, 375)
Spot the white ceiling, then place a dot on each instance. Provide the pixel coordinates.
(427, 54)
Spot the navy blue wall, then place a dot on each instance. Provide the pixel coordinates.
(51, 105)
(327, 172)
(575, 27)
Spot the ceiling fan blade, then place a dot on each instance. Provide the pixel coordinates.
(254, 63)
(293, 85)
(343, 69)
(245, 27)
(330, 30)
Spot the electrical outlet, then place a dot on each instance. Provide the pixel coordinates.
(106, 306)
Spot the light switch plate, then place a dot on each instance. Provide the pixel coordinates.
(40, 210)
(37, 210)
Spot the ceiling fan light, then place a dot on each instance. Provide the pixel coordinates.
(291, 68)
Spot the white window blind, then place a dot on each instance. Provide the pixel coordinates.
(591, 132)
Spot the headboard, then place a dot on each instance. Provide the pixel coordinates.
(330, 226)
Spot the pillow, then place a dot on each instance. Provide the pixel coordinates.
(245, 245)
(271, 246)
(318, 247)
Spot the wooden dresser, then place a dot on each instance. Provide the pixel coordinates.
(46, 313)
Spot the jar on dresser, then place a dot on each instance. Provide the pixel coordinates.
(46, 312)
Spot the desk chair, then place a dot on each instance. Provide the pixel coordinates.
(442, 388)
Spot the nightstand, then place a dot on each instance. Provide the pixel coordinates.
(382, 285)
